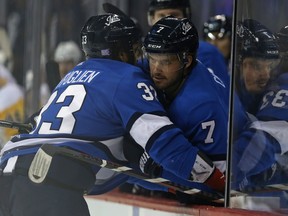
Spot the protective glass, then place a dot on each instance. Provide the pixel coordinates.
(258, 133)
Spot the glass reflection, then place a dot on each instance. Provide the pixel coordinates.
(259, 149)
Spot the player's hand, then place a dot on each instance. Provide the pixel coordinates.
(31, 122)
(204, 171)
(153, 169)
(25, 129)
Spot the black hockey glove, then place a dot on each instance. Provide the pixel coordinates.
(25, 130)
(31, 121)
(149, 166)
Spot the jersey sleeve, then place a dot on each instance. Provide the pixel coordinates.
(145, 119)
(253, 154)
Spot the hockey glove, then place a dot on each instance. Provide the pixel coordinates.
(149, 166)
(31, 121)
(204, 171)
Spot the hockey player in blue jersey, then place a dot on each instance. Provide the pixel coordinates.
(188, 89)
(257, 58)
(207, 53)
(273, 113)
(92, 109)
(273, 109)
(258, 147)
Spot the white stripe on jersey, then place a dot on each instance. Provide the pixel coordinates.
(116, 147)
(35, 141)
(145, 126)
(277, 129)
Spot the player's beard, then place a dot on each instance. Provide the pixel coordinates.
(173, 87)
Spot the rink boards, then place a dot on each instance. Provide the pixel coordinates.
(123, 204)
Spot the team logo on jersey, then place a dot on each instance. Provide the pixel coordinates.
(112, 19)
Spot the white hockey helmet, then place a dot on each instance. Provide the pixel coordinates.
(67, 51)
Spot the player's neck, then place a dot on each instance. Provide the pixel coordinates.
(171, 92)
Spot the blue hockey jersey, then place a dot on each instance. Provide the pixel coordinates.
(261, 149)
(201, 109)
(211, 57)
(100, 101)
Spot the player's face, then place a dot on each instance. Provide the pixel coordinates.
(159, 14)
(256, 73)
(165, 70)
(223, 44)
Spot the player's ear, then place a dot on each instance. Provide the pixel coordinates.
(188, 61)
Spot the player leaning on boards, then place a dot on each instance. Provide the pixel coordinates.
(91, 110)
(194, 97)
(259, 54)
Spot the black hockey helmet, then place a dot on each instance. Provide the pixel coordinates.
(172, 35)
(256, 40)
(103, 36)
(164, 4)
(220, 24)
(282, 38)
